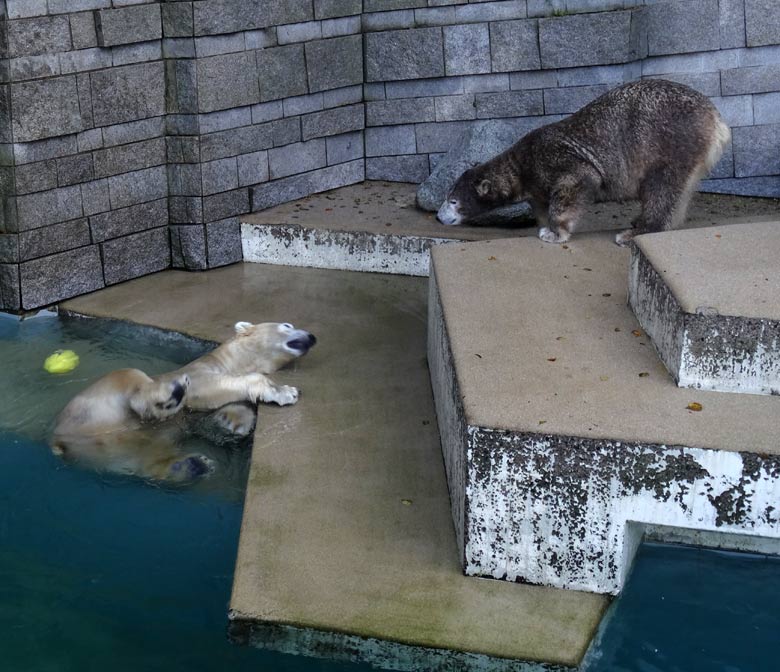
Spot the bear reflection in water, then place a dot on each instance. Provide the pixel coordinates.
(130, 423)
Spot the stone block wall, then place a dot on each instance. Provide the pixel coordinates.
(135, 133)
(435, 67)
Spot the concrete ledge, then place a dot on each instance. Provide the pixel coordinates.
(373, 226)
(564, 437)
(293, 245)
(709, 301)
(347, 549)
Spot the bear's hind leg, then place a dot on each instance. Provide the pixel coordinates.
(664, 194)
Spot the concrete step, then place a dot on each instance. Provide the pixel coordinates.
(710, 302)
(375, 226)
(347, 548)
(565, 439)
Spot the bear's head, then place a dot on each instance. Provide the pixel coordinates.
(477, 191)
(271, 344)
(160, 397)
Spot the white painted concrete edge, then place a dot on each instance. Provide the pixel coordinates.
(288, 245)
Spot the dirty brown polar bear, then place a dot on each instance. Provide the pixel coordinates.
(651, 140)
(125, 423)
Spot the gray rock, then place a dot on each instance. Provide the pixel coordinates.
(128, 93)
(483, 141)
(343, 148)
(333, 122)
(335, 62)
(297, 158)
(586, 39)
(47, 34)
(48, 207)
(126, 25)
(45, 108)
(404, 54)
(409, 168)
(224, 242)
(138, 187)
(226, 204)
(283, 72)
(60, 276)
(126, 221)
(177, 19)
(52, 239)
(331, 9)
(227, 81)
(136, 255)
(467, 49)
(188, 247)
(36, 177)
(10, 295)
(762, 22)
(682, 27)
(130, 157)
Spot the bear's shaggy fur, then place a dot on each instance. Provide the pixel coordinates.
(650, 140)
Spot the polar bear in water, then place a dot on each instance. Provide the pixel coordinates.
(125, 423)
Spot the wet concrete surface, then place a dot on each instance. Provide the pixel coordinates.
(389, 208)
(347, 523)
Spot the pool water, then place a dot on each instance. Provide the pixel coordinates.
(99, 571)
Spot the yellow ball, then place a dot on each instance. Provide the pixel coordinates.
(61, 361)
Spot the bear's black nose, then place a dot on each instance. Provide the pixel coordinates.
(178, 392)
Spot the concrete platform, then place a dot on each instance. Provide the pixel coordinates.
(347, 547)
(710, 302)
(564, 436)
(375, 226)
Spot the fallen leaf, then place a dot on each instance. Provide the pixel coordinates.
(406, 502)
(542, 422)
(617, 328)
(587, 269)
(491, 258)
(694, 406)
(560, 338)
(644, 374)
(607, 294)
(476, 354)
(717, 235)
(551, 359)
(603, 379)
(564, 247)
(328, 209)
(636, 333)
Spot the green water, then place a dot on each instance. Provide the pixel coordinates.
(102, 572)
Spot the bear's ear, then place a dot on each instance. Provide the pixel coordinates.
(483, 188)
(242, 328)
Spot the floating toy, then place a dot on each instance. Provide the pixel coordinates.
(61, 361)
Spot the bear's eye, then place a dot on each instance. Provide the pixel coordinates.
(287, 326)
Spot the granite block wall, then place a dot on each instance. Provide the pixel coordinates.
(433, 68)
(135, 133)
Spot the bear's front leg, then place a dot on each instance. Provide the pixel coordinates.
(208, 393)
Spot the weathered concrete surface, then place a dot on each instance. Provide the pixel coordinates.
(710, 301)
(564, 435)
(375, 226)
(347, 548)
